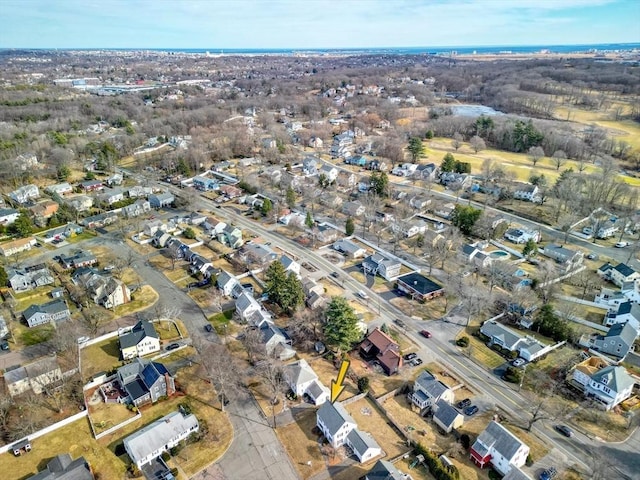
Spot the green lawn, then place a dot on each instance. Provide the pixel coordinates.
(222, 322)
(35, 335)
(100, 357)
(85, 235)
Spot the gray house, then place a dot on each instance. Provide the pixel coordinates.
(377, 264)
(24, 279)
(55, 310)
(61, 467)
(160, 200)
(145, 382)
(618, 340)
(446, 417)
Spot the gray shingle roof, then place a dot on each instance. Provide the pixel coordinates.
(361, 441)
(624, 269)
(501, 439)
(614, 377)
(61, 467)
(384, 470)
(333, 416)
(300, 372)
(445, 413)
(429, 384)
(499, 331)
(140, 330)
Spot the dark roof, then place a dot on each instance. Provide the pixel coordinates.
(500, 439)
(420, 283)
(140, 330)
(333, 416)
(624, 269)
(61, 467)
(384, 470)
(136, 389)
(625, 331)
(445, 413)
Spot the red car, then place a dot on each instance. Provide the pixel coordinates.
(425, 334)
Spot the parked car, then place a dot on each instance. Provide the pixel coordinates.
(549, 473)
(425, 333)
(410, 356)
(335, 274)
(470, 411)
(173, 346)
(592, 256)
(4, 345)
(416, 361)
(518, 362)
(564, 430)
(400, 323)
(208, 327)
(464, 403)
(82, 340)
(622, 244)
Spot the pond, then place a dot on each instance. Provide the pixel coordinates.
(474, 110)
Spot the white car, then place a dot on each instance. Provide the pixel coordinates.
(622, 244)
(518, 362)
(362, 294)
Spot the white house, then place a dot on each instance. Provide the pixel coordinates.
(151, 441)
(610, 386)
(446, 417)
(303, 381)
(526, 191)
(25, 193)
(141, 340)
(378, 264)
(499, 447)
(228, 284)
(427, 390)
(8, 216)
(339, 428)
(290, 265)
(329, 171)
(522, 235)
(249, 310)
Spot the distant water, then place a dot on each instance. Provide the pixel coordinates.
(602, 47)
(442, 50)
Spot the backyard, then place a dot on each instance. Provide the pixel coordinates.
(100, 357)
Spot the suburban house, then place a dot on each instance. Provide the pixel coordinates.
(290, 265)
(137, 208)
(570, 259)
(62, 467)
(140, 340)
(427, 390)
(609, 386)
(303, 381)
(103, 289)
(25, 194)
(353, 208)
(81, 258)
(35, 376)
(378, 264)
(161, 200)
(521, 235)
(313, 293)
(325, 233)
(8, 216)
(349, 248)
(59, 189)
(249, 310)
(145, 382)
(580, 374)
(91, 186)
(81, 203)
(418, 202)
(110, 197)
(44, 210)
(28, 278)
(115, 179)
(329, 171)
(620, 274)
(309, 166)
(381, 347)
(228, 284)
(339, 428)
(18, 245)
(230, 236)
(205, 184)
(201, 265)
(259, 253)
(445, 211)
(628, 312)
(53, 311)
(151, 441)
(500, 448)
(445, 416)
(526, 191)
(418, 287)
(527, 347)
(384, 470)
(617, 342)
(275, 341)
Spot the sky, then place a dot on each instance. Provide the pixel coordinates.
(300, 24)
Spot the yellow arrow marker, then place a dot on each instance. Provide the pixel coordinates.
(337, 385)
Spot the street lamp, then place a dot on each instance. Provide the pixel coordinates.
(524, 371)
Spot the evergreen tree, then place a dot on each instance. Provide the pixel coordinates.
(379, 183)
(465, 217)
(291, 197)
(267, 206)
(63, 173)
(341, 326)
(308, 221)
(416, 149)
(530, 248)
(23, 226)
(282, 288)
(4, 278)
(448, 163)
(349, 227)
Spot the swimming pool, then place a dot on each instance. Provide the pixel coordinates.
(499, 255)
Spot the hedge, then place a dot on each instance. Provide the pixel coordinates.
(435, 465)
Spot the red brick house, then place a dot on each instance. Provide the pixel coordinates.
(381, 347)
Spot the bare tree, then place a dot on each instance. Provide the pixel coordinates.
(477, 143)
(535, 154)
(251, 339)
(559, 158)
(456, 143)
(271, 373)
(222, 369)
(305, 327)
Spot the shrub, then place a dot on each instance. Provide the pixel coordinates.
(465, 441)
(166, 456)
(529, 460)
(513, 354)
(463, 341)
(363, 384)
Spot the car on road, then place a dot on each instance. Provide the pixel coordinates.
(173, 346)
(410, 356)
(464, 403)
(416, 361)
(622, 244)
(518, 362)
(425, 333)
(208, 327)
(470, 411)
(400, 323)
(335, 274)
(548, 474)
(592, 256)
(362, 294)
(564, 430)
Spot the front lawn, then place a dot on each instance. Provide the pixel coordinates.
(302, 445)
(34, 335)
(142, 299)
(100, 357)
